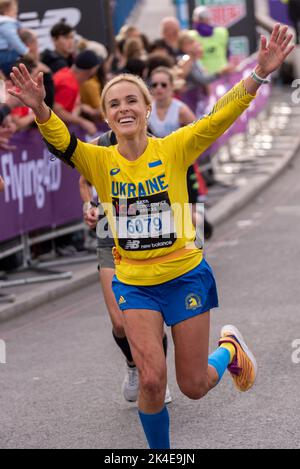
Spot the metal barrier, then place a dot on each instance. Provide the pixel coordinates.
(56, 182)
(43, 269)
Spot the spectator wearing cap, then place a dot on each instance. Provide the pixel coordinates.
(11, 46)
(63, 37)
(214, 40)
(67, 83)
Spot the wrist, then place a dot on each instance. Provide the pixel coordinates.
(261, 72)
(42, 112)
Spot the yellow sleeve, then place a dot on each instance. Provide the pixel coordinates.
(86, 157)
(188, 143)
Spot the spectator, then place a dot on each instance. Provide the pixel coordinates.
(67, 83)
(170, 31)
(11, 46)
(63, 37)
(168, 114)
(136, 67)
(160, 47)
(134, 49)
(90, 93)
(7, 129)
(30, 40)
(158, 59)
(214, 40)
(196, 77)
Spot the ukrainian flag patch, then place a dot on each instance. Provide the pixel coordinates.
(154, 164)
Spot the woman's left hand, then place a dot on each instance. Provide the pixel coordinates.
(272, 55)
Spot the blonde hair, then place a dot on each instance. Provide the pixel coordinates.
(5, 4)
(133, 48)
(184, 36)
(126, 77)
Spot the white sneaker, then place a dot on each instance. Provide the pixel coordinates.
(130, 387)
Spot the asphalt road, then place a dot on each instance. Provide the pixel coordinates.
(61, 385)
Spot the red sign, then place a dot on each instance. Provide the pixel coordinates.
(228, 15)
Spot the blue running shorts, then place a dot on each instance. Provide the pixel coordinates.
(187, 296)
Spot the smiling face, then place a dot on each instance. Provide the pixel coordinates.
(162, 87)
(126, 109)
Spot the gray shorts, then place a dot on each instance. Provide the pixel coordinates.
(105, 258)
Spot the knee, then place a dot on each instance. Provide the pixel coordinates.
(194, 389)
(153, 382)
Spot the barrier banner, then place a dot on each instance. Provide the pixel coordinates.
(39, 193)
(42, 194)
(217, 90)
(89, 19)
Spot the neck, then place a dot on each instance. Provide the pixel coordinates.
(62, 53)
(164, 103)
(133, 148)
(80, 77)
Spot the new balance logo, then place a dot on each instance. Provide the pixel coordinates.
(31, 20)
(132, 245)
(122, 300)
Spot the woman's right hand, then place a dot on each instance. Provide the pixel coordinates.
(30, 92)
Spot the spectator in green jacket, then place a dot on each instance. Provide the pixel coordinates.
(214, 41)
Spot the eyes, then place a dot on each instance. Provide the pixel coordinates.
(116, 103)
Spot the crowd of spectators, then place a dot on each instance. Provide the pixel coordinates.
(76, 69)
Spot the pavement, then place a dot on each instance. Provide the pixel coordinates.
(61, 384)
(149, 14)
(243, 170)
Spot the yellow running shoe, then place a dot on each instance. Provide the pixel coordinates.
(243, 369)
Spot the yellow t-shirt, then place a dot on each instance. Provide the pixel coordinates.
(146, 200)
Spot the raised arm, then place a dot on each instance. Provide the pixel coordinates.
(70, 150)
(190, 142)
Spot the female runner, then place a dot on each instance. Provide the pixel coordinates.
(160, 275)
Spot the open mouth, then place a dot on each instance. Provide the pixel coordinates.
(127, 120)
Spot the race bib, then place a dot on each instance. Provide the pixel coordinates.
(145, 224)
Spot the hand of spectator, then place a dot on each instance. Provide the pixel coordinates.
(5, 145)
(87, 109)
(6, 132)
(91, 217)
(272, 55)
(88, 126)
(2, 185)
(30, 92)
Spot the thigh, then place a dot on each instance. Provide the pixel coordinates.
(191, 342)
(144, 331)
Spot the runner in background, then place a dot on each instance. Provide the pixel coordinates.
(95, 218)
